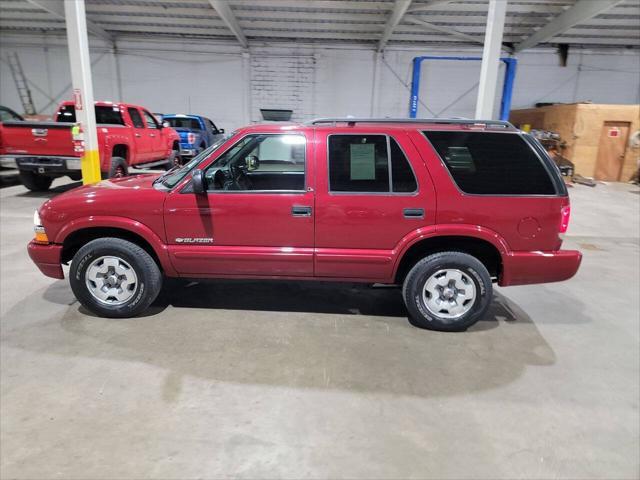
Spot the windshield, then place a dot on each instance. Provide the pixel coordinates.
(176, 174)
(180, 122)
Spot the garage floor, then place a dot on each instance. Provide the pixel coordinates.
(259, 379)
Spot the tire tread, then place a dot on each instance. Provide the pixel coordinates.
(451, 257)
(149, 274)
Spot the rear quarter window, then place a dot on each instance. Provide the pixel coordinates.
(105, 115)
(492, 163)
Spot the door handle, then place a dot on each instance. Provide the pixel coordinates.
(300, 211)
(413, 213)
(152, 134)
(137, 135)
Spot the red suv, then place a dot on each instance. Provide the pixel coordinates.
(442, 207)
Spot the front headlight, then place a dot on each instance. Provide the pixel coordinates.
(40, 234)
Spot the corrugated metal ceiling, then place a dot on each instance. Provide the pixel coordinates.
(342, 21)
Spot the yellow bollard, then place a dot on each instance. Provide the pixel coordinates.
(90, 165)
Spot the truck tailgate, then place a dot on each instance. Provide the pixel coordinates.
(37, 138)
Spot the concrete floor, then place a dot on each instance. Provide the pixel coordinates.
(266, 380)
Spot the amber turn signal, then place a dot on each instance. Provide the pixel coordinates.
(41, 236)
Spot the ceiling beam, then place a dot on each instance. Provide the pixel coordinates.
(223, 9)
(399, 9)
(447, 30)
(429, 6)
(56, 8)
(579, 12)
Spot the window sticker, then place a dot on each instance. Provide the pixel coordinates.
(363, 161)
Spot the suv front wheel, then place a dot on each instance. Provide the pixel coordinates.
(114, 278)
(447, 291)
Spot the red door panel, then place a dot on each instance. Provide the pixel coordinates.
(356, 233)
(243, 233)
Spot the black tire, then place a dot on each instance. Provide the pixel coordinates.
(35, 182)
(147, 271)
(119, 168)
(412, 291)
(174, 159)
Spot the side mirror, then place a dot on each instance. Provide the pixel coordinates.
(199, 182)
(252, 163)
(165, 125)
(221, 130)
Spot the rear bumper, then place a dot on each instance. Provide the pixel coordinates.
(524, 268)
(7, 161)
(42, 164)
(47, 258)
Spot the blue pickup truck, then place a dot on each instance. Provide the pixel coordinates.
(196, 132)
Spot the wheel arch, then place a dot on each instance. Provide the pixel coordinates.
(79, 232)
(121, 150)
(488, 247)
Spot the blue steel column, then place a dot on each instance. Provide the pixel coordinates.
(415, 87)
(507, 87)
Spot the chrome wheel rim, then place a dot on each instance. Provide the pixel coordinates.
(111, 280)
(449, 293)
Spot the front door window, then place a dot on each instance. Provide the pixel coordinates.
(260, 162)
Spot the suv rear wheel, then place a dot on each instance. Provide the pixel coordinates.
(447, 291)
(35, 182)
(114, 278)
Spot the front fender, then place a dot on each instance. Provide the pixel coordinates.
(123, 223)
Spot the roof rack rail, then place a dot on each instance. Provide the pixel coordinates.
(453, 121)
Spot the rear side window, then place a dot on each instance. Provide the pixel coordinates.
(368, 163)
(181, 122)
(104, 115)
(402, 176)
(492, 163)
(136, 119)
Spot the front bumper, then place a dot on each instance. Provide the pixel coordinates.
(188, 151)
(524, 268)
(47, 258)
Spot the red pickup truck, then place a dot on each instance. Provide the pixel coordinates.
(128, 135)
(441, 208)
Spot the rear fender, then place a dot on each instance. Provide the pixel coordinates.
(449, 230)
(108, 142)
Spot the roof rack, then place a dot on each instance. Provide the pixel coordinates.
(446, 121)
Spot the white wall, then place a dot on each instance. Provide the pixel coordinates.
(216, 80)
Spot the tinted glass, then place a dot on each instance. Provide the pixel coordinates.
(403, 178)
(358, 163)
(104, 115)
(492, 163)
(178, 122)
(135, 117)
